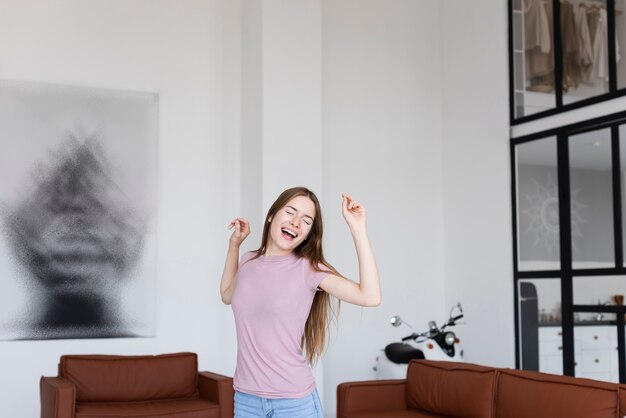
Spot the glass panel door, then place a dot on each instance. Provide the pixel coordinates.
(540, 325)
(584, 42)
(537, 205)
(533, 57)
(591, 200)
(620, 39)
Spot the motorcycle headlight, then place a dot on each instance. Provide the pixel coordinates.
(450, 338)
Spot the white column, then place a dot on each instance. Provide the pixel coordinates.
(292, 96)
(252, 119)
(281, 106)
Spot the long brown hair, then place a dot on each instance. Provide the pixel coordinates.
(318, 322)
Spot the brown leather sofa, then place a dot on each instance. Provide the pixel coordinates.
(435, 389)
(164, 386)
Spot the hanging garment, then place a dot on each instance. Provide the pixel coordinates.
(536, 26)
(539, 53)
(585, 50)
(601, 48)
(572, 72)
(593, 14)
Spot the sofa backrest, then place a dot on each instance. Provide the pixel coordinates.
(104, 378)
(458, 390)
(526, 394)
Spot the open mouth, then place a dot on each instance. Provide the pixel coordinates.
(288, 234)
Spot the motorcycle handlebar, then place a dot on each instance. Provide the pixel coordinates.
(452, 321)
(415, 335)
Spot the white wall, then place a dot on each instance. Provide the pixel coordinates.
(399, 108)
(292, 96)
(382, 143)
(282, 106)
(181, 51)
(252, 119)
(477, 196)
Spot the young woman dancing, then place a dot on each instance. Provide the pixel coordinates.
(280, 295)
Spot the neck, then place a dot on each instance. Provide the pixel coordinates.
(273, 250)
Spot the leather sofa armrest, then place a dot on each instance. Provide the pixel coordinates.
(58, 397)
(218, 389)
(370, 396)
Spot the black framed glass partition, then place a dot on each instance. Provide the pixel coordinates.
(564, 54)
(591, 199)
(569, 209)
(533, 58)
(538, 205)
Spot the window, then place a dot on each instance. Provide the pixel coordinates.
(570, 277)
(579, 64)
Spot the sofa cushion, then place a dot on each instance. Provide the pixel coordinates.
(102, 378)
(187, 408)
(458, 390)
(525, 394)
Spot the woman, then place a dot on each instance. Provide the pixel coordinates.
(280, 296)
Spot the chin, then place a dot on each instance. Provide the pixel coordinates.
(288, 248)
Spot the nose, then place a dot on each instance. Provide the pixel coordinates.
(295, 222)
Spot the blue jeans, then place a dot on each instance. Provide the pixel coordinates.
(251, 406)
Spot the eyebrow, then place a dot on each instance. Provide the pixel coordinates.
(308, 216)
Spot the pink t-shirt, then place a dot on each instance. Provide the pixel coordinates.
(271, 304)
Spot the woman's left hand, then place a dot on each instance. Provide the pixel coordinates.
(353, 212)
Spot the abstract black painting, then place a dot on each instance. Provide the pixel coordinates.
(77, 211)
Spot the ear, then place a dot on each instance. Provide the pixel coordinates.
(269, 219)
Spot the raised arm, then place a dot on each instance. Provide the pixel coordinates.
(367, 291)
(229, 281)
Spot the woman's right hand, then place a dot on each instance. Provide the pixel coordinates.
(241, 231)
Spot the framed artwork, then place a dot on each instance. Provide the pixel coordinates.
(78, 202)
